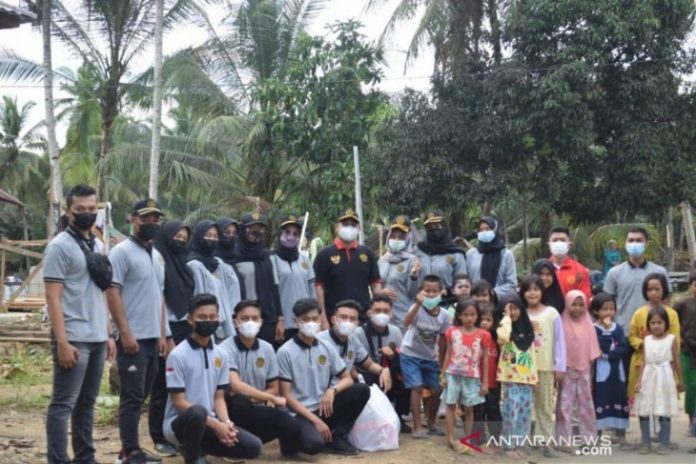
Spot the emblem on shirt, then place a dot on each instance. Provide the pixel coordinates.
(363, 257)
(350, 354)
(304, 265)
(260, 362)
(336, 259)
(218, 362)
(322, 360)
(400, 268)
(450, 259)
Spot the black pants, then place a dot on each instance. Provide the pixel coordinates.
(267, 333)
(196, 439)
(158, 395)
(346, 408)
(265, 422)
(289, 333)
(488, 414)
(136, 373)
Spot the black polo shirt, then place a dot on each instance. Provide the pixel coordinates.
(346, 273)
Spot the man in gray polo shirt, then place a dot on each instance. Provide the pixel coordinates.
(306, 367)
(254, 382)
(342, 338)
(196, 416)
(137, 308)
(79, 332)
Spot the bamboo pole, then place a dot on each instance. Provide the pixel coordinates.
(689, 229)
(3, 308)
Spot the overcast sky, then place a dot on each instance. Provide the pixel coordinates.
(27, 42)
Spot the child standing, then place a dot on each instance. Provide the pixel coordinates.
(482, 292)
(575, 392)
(488, 413)
(551, 351)
(461, 289)
(517, 373)
(656, 391)
(655, 291)
(609, 395)
(464, 373)
(423, 345)
(551, 295)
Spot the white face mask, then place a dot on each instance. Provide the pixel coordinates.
(380, 319)
(559, 249)
(249, 329)
(348, 233)
(309, 329)
(345, 328)
(396, 245)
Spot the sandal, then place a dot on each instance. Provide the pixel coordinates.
(418, 434)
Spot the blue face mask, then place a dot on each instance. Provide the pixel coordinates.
(430, 303)
(486, 236)
(635, 249)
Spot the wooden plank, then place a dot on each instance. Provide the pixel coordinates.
(27, 243)
(19, 251)
(6, 339)
(25, 284)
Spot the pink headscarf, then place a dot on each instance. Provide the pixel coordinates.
(581, 338)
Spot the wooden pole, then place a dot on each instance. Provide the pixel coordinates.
(25, 284)
(3, 308)
(669, 239)
(689, 229)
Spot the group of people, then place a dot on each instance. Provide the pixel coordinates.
(237, 345)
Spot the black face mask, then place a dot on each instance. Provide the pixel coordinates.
(148, 231)
(209, 246)
(206, 328)
(84, 221)
(179, 247)
(227, 242)
(436, 235)
(255, 237)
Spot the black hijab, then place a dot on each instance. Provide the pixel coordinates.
(225, 249)
(551, 296)
(492, 253)
(445, 246)
(178, 278)
(290, 255)
(522, 330)
(197, 250)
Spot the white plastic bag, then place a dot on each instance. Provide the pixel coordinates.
(377, 427)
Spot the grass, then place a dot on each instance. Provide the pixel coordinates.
(26, 365)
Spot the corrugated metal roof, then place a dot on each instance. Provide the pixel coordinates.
(12, 16)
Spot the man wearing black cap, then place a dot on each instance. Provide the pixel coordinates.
(252, 261)
(346, 270)
(137, 308)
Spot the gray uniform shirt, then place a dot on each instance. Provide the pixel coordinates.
(295, 281)
(443, 266)
(139, 274)
(256, 366)
(391, 337)
(223, 283)
(309, 368)
(420, 340)
(84, 306)
(506, 282)
(397, 276)
(198, 372)
(351, 351)
(625, 282)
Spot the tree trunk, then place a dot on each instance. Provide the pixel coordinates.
(525, 234)
(545, 231)
(157, 102)
(495, 30)
(25, 235)
(669, 239)
(56, 187)
(689, 229)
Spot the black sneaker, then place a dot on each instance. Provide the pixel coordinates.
(166, 449)
(405, 428)
(137, 457)
(340, 445)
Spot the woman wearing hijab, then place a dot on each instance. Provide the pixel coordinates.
(399, 269)
(438, 254)
(212, 275)
(229, 232)
(551, 294)
(294, 270)
(252, 262)
(490, 260)
(172, 244)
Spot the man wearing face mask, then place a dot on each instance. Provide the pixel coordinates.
(80, 340)
(294, 270)
(437, 253)
(137, 308)
(252, 261)
(254, 400)
(346, 269)
(341, 337)
(571, 274)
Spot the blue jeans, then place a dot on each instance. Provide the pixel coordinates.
(74, 393)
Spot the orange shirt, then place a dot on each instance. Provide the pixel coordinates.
(573, 276)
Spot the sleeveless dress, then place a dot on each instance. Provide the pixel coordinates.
(658, 391)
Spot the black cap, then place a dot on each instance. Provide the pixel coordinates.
(145, 207)
(433, 215)
(402, 223)
(249, 219)
(290, 219)
(348, 214)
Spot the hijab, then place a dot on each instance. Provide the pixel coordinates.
(178, 278)
(290, 255)
(226, 247)
(197, 249)
(443, 247)
(396, 257)
(522, 331)
(551, 296)
(492, 252)
(580, 334)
